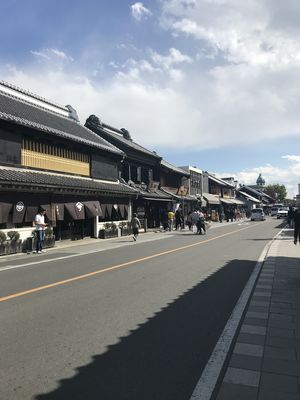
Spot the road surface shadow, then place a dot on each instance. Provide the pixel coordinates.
(164, 357)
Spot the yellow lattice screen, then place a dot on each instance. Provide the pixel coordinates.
(54, 158)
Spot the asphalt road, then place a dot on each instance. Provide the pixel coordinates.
(135, 322)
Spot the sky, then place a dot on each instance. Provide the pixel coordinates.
(208, 83)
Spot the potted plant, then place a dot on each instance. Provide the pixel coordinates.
(2, 243)
(114, 230)
(49, 237)
(125, 228)
(109, 230)
(15, 243)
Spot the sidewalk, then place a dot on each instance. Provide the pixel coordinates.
(265, 360)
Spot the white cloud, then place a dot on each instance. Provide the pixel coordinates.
(288, 176)
(174, 57)
(242, 32)
(139, 11)
(292, 158)
(51, 54)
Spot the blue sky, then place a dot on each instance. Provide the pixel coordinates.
(211, 83)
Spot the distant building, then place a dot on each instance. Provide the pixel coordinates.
(260, 183)
(298, 197)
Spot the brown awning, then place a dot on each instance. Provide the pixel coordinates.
(19, 212)
(122, 210)
(30, 214)
(226, 201)
(5, 209)
(109, 209)
(75, 210)
(47, 208)
(59, 211)
(92, 209)
(211, 199)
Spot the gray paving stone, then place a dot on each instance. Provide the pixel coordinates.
(283, 383)
(253, 314)
(257, 330)
(280, 298)
(283, 342)
(264, 304)
(279, 310)
(281, 324)
(251, 338)
(287, 333)
(282, 367)
(242, 377)
(248, 349)
(245, 362)
(264, 286)
(280, 317)
(267, 394)
(258, 308)
(262, 293)
(280, 304)
(266, 279)
(230, 391)
(280, 353)
(256, 321)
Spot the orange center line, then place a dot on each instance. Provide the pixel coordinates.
(114, 267)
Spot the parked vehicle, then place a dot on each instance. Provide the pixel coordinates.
(282, 212)
(275, 208)
(257, 214)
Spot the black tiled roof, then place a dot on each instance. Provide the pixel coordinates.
(181, 171)
(156, 194)
(27, 114)
(19, 176)
(108, 132)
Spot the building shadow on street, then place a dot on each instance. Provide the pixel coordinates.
(163, 358)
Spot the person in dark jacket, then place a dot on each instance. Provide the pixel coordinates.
(297, 226)
(136, 225)
(290, 218)
(178, 219)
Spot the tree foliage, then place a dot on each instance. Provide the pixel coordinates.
(278, 192)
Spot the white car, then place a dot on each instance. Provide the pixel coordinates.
(257, 214)
(275, 208)
(282, 212)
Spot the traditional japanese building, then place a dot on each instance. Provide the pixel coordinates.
(175, 182)
(140, 169)
(47, 158)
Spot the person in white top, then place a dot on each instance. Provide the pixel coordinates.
(40, 226)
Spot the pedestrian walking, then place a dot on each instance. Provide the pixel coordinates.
(165, 221)
(171, 219)
(189, 220)
(297, 226)
(201, 224)
(178, 219)
(39, 222)
(136, 225)
(290, 217)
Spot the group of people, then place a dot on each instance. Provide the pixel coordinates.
(197, 219)
(175, 220)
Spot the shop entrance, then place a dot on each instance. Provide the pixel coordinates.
(74, 230)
